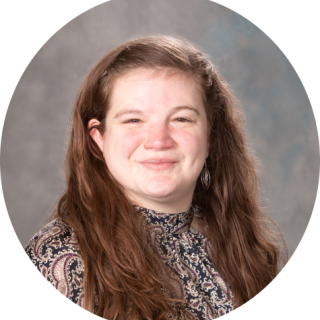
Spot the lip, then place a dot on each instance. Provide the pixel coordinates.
(158, 164)
(158, 160)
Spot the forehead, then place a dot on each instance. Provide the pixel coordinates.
(151, 73)
(162, 84)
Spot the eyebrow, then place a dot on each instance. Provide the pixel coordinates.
(136, 111)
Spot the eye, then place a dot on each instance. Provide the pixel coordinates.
(132, 121)
(182, 120)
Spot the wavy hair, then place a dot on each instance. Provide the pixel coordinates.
(123, 277)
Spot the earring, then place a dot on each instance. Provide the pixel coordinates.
(205, 177)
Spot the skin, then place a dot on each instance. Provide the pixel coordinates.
(156, 137)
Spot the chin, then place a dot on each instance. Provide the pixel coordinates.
(158, 194)
(159, 189)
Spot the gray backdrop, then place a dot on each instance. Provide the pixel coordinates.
(280, 122)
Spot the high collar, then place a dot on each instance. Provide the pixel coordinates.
(167, 223)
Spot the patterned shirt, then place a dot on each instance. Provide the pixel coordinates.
(185, 250)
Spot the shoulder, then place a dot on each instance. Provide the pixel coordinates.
(55, 252)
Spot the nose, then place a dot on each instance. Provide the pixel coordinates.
(158, 137)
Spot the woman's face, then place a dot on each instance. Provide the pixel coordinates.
(156, 137)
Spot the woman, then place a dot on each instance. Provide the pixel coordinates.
(161, 217)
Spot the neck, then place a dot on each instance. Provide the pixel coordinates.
(163, 205)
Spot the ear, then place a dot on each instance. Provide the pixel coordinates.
(95, 133)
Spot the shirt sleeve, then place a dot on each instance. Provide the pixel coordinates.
(55, 253)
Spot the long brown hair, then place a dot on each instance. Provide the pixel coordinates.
(123, 277)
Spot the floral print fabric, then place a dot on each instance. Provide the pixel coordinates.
(185, 250)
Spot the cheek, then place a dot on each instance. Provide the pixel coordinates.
(193, 144)
(121, 144)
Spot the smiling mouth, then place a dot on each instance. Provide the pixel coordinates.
(158, 166)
